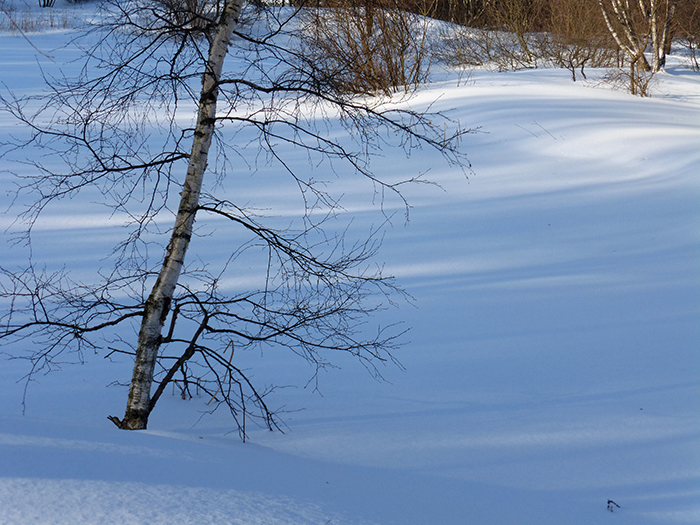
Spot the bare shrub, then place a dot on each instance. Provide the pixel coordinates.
(462, 12)
(636, 81)
(477, 47)
(508, 36)
(520, 18)
(371, 47)
(461, 46)
(577, 37)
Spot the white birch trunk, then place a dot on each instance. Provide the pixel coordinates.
(633, 45)
(654, 23)
(627, 46)
(662, 16)
(158, 304)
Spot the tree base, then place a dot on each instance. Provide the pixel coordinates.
(135, 423)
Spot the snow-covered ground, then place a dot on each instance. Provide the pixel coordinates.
(553, 362)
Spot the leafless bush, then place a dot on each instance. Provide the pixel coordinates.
(463, 12)
(637, 81)
(577, 37)
(371, 47)
(517, 34)
(458, 46)
(521, 18)
(476, 47)
(509, 36)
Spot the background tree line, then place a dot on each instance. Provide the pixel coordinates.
(510, 34)
(374, 46)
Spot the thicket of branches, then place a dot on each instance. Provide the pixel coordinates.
(527, 16)
(361, 37)
(574, 34)
(373, 46)
(517, 34)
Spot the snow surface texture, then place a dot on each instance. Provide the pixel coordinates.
(552, 365)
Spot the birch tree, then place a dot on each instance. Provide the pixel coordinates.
(97, 132)
(161, 297)
(638, 25)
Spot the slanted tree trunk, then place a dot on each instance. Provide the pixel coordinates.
(157, 307)
(630, 37)
(623, 31)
